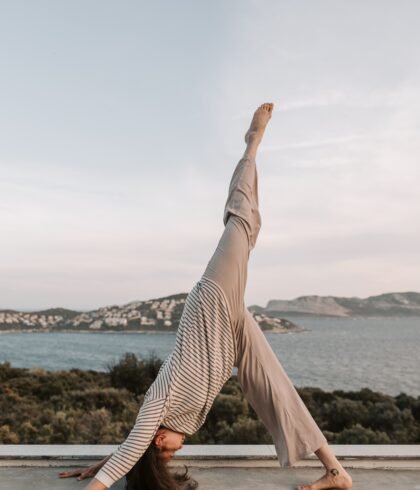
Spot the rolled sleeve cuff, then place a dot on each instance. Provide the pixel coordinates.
(104, 478)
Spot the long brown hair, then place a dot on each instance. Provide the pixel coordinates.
(152, 473)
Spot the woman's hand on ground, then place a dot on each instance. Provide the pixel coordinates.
(84, 473)
(81, 473)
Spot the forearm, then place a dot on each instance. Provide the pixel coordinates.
(95, 485)
(102, 462)
(131, 450)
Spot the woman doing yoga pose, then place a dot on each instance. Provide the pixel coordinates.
(217, 332)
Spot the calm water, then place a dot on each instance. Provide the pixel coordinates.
(380, 353)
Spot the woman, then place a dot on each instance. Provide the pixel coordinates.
(216, 333)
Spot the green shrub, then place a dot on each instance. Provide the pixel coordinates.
(136, 375)
(89, 407)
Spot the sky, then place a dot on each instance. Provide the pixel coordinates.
(121, 124)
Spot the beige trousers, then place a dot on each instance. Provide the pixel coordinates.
(263, 380)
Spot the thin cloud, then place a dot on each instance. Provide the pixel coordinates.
(313, 143)
(369, 100)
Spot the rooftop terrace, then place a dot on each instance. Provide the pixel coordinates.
(372, 467)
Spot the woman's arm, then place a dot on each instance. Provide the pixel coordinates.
(84, 473)
(149, 418)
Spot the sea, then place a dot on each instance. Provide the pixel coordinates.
(382, 354)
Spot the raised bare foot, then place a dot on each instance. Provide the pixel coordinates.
(261, 117)
(333, 479)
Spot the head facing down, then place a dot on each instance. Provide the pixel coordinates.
(168, 442)
(151, 471)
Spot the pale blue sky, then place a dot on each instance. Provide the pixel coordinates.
(121, 123)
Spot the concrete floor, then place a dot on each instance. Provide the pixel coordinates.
(46, 478)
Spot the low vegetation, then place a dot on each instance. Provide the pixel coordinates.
(90, 407)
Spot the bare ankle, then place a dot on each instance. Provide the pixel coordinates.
(251, 150)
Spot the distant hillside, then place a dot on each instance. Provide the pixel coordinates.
(389, 304)
(154, 315)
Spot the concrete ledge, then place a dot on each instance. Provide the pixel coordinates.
(405, 456)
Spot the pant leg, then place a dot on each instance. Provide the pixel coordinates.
(243, 200)
(228, 266)
(271, 393)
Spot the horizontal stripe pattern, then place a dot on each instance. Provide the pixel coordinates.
(188, 381)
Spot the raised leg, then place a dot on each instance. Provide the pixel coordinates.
(229, 264)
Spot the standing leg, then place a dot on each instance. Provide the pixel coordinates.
(274, 398)
(271, 393)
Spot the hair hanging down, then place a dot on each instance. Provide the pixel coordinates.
(152, 473)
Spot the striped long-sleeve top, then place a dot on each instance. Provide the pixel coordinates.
(188, 381)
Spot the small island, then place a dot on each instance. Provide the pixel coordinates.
(406, 304)
(161, 315)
